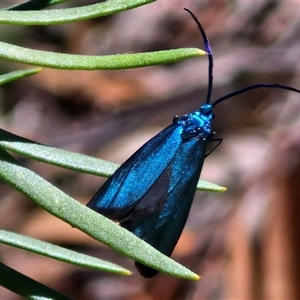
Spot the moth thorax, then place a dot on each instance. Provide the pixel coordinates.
(196, 125)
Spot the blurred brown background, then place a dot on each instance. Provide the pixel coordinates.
(245, 242)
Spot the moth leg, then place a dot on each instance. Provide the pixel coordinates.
(214, 148)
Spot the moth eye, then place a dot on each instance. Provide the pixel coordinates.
(175, 119)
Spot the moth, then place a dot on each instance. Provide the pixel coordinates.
(151, 193)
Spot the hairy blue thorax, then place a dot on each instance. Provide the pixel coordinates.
(197, 124)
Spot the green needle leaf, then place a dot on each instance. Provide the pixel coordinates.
(79, 216)
(71, 160)
(59, 253)
(5, 78)
(92, 62)
(27, 287)
(67, 15)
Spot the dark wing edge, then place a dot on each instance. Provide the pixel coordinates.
(186, 168)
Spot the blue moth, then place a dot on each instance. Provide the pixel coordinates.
(151, 192)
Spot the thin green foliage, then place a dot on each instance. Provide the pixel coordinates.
(42, 192)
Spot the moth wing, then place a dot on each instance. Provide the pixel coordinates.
(135, 177)
(163, 228)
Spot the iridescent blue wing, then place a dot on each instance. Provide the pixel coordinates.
(163, 228)
(152, 192)
(141, 174)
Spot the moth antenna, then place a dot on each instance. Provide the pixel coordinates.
(210, 56)
(253, 87)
